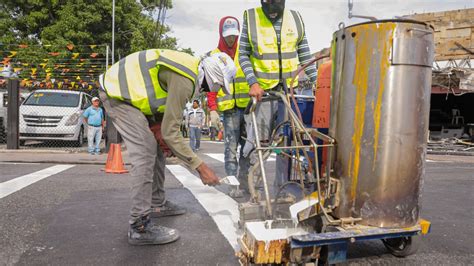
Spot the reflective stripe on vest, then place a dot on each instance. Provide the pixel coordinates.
(239, 89)
(265, 51)
(134, 79)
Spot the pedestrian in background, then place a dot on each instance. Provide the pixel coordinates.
(94, 118)
(195, 120)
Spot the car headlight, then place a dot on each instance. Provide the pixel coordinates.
(73, 119)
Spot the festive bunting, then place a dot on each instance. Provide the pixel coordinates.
(94, 55)
(23, 46)
(12, 54)
(6, 60)
(75, 55)
(54, 53)
(70, 46)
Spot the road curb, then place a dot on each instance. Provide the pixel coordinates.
(170, 161)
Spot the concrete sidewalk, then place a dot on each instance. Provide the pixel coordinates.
(54, 156)
(69, 157)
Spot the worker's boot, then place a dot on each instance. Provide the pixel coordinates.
(144, 232)
(168, 209)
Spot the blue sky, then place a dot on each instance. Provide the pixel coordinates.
(195, 22)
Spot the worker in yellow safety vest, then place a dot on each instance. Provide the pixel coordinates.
(272, 45)
(149, 89)
(232, 107)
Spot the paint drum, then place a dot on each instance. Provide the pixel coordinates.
(379, 117)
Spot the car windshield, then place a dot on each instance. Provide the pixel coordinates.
(53, 99)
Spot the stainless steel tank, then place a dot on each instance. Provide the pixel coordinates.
(381, 85)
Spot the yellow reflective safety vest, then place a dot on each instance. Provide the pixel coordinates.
(274, 60)
(239, 89)
(134, 79)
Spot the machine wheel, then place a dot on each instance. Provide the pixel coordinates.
(80, 139)
(402, 246)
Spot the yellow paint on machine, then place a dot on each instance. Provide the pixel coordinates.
(386, 43)
(365, 51)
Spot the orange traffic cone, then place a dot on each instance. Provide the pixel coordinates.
(220, 135)
(114, 162)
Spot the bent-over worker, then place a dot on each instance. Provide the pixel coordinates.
(145, 89)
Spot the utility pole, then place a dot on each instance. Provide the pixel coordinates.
(113, 31)
(112, 135)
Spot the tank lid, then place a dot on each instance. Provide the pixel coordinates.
(391, 20)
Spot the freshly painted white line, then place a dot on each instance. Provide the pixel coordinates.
(430, 161)
(212, 141)
(216, 156)
(220, 157)
(13, 185)
(222, 208)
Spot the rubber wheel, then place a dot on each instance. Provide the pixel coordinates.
(402, 246)
(80, 139)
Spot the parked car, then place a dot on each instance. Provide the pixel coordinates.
(54, 115)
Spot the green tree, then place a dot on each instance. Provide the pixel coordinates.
(57, 23)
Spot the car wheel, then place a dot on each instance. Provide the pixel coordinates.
(80, 138)
(22, 142)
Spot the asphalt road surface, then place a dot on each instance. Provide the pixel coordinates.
(77, 215)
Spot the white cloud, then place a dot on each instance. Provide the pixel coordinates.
(196, 22)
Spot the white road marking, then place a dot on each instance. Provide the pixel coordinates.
(222, 208)
(13, 185)
(212, 141)
(220, 157)
(216, 156)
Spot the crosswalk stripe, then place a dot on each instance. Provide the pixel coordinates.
(216, 156)
(13, 185)
(222, 209)
(220, 157)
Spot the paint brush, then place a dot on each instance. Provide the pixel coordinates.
(230, 180)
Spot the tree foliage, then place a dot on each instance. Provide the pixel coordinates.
(85, 22)
(56, 39)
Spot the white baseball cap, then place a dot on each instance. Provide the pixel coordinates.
(230, 27)
(95, 99)
(219, 70)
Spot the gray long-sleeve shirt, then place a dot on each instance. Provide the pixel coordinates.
(180, 89)
(245, 50)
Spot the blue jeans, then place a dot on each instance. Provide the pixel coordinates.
(94, 135)
(234, 129)
(194, 138)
